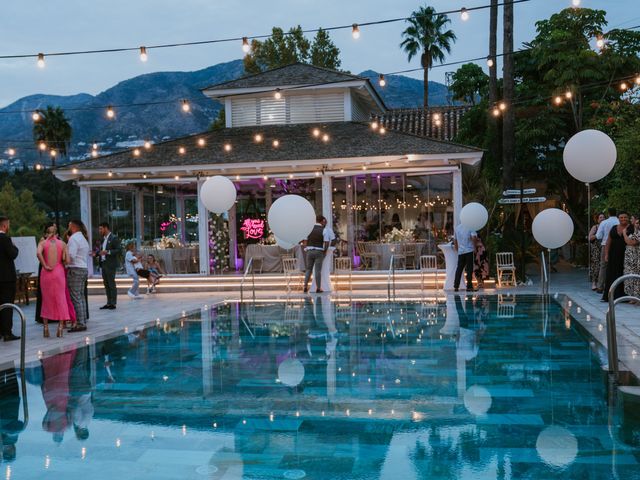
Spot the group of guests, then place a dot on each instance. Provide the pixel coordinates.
(615, 251)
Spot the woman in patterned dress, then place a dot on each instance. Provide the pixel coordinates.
(632, 259)
(594, 252)
(480, 262)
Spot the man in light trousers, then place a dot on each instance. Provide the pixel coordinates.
(77, 273)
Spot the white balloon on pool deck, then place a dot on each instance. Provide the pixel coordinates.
(218, 194)
(557, 446)
(291, 372)
(474, 216)
(291, 218)
(552, 228)
(477, 400)
(589, 155)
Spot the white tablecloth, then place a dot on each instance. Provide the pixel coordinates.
(166, 256)
(272, 257)
(385, 250)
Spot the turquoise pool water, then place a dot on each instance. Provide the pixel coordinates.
(467, 388)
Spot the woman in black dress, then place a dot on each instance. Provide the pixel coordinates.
(614, 255)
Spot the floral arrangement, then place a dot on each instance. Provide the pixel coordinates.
(218, 243)
(169, 242)
(396, 235)
(269, 239)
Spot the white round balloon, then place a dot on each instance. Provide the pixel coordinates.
(218, 194)
(589, 155)
(284, 244)
(291, 372)
(477, 400)
(557, 446)
(474, 216)
(291, 218)
(552, 228)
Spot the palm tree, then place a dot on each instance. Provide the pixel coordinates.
(426, 35)
(54, 130)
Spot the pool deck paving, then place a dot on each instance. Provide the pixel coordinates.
(571, 285)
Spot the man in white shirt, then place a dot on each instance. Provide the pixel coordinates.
(78, 249)
(465, 243)
(316, 247)
(602, 235)
(329, 237)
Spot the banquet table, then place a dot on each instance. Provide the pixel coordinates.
(272, 257)
(166, 258)
(385, 250)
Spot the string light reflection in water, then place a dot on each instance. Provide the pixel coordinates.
(483, 392)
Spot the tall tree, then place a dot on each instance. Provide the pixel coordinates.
(26, 217)
(469, 83)
(282, 49)
(427, 35)
(509, 120)
(54, 130)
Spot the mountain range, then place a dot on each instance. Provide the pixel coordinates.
(152, 117)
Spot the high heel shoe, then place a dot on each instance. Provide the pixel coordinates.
(45, 331)
(60, 331)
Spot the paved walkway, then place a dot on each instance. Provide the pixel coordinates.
(583, 304)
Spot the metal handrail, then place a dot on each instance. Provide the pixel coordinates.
(612, 339)
(544, 275)
(248, 269)
(23, 346)
(391, 279)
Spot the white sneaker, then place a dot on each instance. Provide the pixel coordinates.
(137, 297)
(131, 295)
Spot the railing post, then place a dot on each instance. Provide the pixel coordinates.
(23, 346)
(612, 337)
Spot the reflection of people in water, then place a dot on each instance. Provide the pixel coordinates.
(80, 394)
(470, 331)
(55, 391)
(10, 426)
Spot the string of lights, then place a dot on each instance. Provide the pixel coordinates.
(464, 13)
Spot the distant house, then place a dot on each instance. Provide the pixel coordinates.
(295, 129)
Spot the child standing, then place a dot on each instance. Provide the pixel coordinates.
(132, 265)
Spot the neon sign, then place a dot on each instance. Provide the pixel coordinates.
(253, 228)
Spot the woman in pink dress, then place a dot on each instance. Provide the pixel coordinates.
(52, 253)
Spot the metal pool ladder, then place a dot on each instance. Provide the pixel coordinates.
(391, 279)
(23, 337)
(544, 274)
(244, 278)
(612, 339)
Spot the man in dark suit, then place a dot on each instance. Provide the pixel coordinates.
(8, 253)
(109, 255)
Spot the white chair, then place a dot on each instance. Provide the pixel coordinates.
(506, 306)
(506, 269)
(291, 273)
(369, 260)
(342, 266)
(428, 264)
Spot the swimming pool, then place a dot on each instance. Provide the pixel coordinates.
(472, 387)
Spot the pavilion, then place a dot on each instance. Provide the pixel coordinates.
(295, 129)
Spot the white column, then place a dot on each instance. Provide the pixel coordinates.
(457, 195)
(85, 216)
(180, 213)
(203, 234)
(327, 196)
(350, 217)
(139, 209)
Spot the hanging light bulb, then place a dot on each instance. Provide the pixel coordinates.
(575, 3)
(38, 167)
(136, 152)
(277, 94)
(94, 146)
(185, 106)
(464, 14)
(110, 112)
(147, 145)
(40, 61)
(355, 31)
(496, 112)
(568, 95)
(257, 138)
(110, 173)
(557, 100)
(177, 177)
(53, 153)
(11, 151)
(143, 54)
(624, 86)
(382, 130)
(74, 171)
(502, 106)
(201, 142)
(246, 48)
(381, 81)
(35, 116)
(276, 143)
(325, 138)
(42, 146)
(144, 175)
(638, 80)
(182, 150)
(374, 125)
(227, 147)
(94, 153)
(490, 62)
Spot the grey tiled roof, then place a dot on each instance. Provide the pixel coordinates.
(289, 75)
(346, 140)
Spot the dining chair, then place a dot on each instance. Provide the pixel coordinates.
(292, 273)
(505, 268)
(342, 266)
(180, 260)
(399, 257)
(428, 264)
(410, 251)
